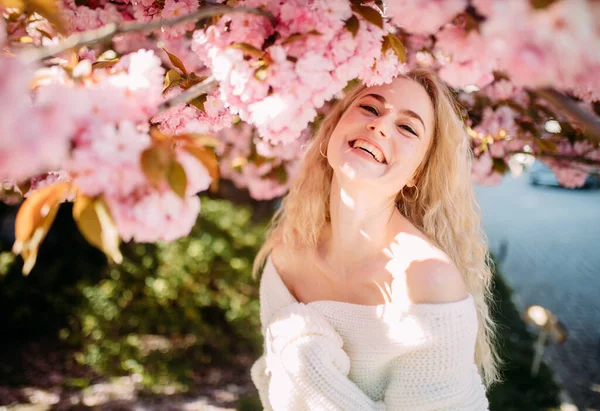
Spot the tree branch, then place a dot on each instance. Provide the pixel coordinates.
(560, 157)
(110, 30)
(587, 121)
(189, 94)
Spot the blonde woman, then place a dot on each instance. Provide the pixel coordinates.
(375, 280)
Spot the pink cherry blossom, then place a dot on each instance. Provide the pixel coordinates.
(424, 16)
(106, 159)
(568, 175)
(34, 128)
(2, 32)
(185, 118)
(482, 172)
(153, 216)
(495, 122)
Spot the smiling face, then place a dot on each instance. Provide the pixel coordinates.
(383, 136)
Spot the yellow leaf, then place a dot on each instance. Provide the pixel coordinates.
(394, 42)
(155, 163)
(97, 227)
(199, 101)
(176, 62)
(247, 49)
(369, 14)
(177, 179)
(547, 146)
(44, 33)
(49, 10)
(261, 73)
(34, 218)
(200, 140)
(209, 160)
(104, 63)
(298, 36)
(193, 80)
(13, 4)
(172, 79)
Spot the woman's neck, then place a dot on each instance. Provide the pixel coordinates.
(360, 230)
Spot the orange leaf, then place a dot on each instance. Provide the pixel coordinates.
(155, 163)
(96, 225)
(209, 160)
(34, 218)
(49, 10)
(177, 179)
(176, 62)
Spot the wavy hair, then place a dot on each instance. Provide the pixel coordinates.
(446, 209)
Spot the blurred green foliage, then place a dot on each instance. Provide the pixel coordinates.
(171, 308)
(168, 309)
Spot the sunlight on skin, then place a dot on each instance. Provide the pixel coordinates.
(349, 171)
(346, 199)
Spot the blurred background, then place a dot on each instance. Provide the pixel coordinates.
(176, 326)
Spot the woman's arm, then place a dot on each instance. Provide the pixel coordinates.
(308, 366)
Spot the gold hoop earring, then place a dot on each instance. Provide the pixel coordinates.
(321, 150)
(414, 199)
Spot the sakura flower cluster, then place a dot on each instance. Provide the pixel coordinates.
(278, 88)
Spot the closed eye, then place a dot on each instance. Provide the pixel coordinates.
(409, 129)
(369, 108)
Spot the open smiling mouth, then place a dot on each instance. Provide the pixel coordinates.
(369, 148)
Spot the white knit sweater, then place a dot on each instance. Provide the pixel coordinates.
(331, 355)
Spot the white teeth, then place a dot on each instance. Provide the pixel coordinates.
(370, 148)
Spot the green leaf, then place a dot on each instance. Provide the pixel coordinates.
(177, 179)
(394, 42)
(352, 25)
(199, 101)
(247, 49)
(369, 14)
(172, 79)
(176, 62)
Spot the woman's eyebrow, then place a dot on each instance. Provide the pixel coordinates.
(409, 113)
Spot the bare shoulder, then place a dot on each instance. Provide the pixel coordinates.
(424, 274)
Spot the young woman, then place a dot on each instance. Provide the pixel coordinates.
(375, 279)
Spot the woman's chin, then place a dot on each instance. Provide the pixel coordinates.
(356, 168)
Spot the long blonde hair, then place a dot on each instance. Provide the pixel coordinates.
(446, 209)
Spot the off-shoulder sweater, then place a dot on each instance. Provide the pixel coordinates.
(332, 355)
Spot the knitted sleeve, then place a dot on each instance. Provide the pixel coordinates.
(438, 371)
(308, 366)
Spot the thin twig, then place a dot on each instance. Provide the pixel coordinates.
(110, 30)
(190, 94)
(588, 122)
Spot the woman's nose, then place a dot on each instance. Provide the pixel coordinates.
(378, 127)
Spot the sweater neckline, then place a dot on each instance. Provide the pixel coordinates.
(377, 307)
